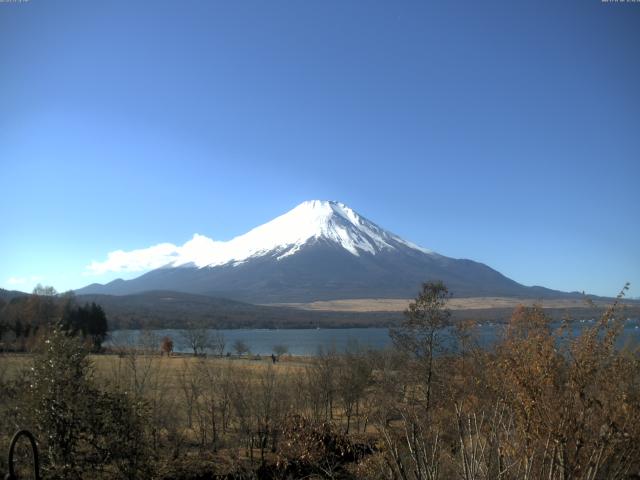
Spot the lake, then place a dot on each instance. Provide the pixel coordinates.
(308, 341)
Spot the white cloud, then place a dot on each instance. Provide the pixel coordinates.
(200, 250)
(136, 260)
(22, 282)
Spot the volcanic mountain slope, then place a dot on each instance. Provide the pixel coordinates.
(320, 250)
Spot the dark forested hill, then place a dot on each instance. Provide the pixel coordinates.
(167, 309)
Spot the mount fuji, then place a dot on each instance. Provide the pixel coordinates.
(320, 250)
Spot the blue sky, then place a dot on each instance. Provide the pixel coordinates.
(505, 132)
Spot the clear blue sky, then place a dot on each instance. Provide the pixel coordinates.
(506, 132)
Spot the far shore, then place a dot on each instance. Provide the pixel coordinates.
(471, 303)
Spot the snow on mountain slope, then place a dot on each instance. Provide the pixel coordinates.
(286, 234)
(317, 251)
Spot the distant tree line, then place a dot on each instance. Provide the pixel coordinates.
(25, 320)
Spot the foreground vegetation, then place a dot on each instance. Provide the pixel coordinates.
(540, 404)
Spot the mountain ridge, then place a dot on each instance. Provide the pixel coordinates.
(319, 250)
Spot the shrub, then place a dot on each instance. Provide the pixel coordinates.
(82, 430)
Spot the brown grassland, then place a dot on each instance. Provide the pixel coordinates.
(470, 303)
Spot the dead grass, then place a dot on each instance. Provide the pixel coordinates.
(400, 304)
(12, 365)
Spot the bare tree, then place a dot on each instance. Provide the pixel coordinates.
(42, 304)
(148, 342)
(135, 367)
(263, 410)
(419, 335)
(217, 343)
(354, 372)
(321, 383)
(240, 347)
(280, 350)
(213, 413)
(189, 384)
(198, 339)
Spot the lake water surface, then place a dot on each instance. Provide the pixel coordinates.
(309, 341)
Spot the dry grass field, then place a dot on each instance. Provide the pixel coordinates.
(400, 304)
(172, 369)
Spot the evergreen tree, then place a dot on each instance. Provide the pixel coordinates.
(89, 321)
(97, 327)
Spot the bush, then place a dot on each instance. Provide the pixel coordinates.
(82, 430)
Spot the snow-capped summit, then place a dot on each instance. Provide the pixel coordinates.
(319, 250)
(311, 221)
